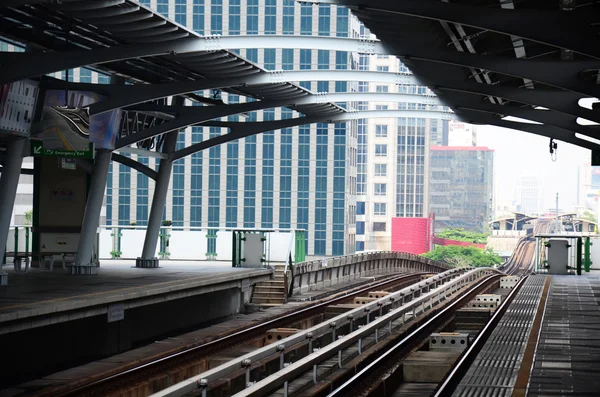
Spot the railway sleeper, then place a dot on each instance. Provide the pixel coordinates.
(332, 376)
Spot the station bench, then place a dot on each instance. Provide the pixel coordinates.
(20, 257)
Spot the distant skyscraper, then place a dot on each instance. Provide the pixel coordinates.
(531, 194)
(393, 161)
(461, 187)
(461, 134)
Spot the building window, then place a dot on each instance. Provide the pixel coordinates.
(379, 209)
(180, 12)
(380, 150)
(360, 208)
(252, 17)
(360, 246)
(234, 17)
(380, 169)
(324, 19)
(381, 131)
(288, 17)
(380, 189)
(383, 68)
(379, 226)
(382, 88)
(198, 16)
(305, 19)
(360, 228)
(270, 16)
(162, 7)
(216, 17)
(381, 107)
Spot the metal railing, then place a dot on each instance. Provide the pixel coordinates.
(316, 274)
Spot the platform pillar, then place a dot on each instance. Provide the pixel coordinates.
(9, 180)
(148, 260)
(91, 217)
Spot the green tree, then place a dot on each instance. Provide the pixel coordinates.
(460, 234)
(589, 216)
(459, 256)
(28, 218)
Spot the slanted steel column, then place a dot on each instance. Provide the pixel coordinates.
(9, 180)
(148, 260)
(93, 208)
(91, 217)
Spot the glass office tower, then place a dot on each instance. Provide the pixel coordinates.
(461, 187)
(302, 177)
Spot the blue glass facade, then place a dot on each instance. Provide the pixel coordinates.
(141, 210)
(178, 187)
(300, 177)
(196, 181)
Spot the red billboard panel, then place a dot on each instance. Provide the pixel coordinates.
(411, 235)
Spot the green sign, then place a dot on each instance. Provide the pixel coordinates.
(37, 149)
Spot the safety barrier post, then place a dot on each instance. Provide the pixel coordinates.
(587, 261)
(16, 239)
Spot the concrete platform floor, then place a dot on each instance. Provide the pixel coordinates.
(40, 292)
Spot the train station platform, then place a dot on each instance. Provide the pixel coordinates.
(40, 298)
(546, 344)
(80, 318)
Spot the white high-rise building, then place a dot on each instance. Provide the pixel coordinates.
(531, 194)
(393, 160)
(461, 134)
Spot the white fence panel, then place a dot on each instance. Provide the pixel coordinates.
(224, 245)
(105, 244)
(132, 243)
(279, 243)
(186, 245)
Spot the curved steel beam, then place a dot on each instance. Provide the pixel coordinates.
(320, 98)
(240, 130)
(18, 66)
(546, 117)
(563, 75)
(543, 130)
(188, 116)
(191, 115)
(542, 26)
(561, 101)
(126, 95)
(135, 165)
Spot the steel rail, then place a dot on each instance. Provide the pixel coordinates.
(466, 359)
(418, 304)
(229, 339)
(346, 387)
(205, 379)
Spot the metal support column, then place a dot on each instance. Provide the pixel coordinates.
(9, 180)
(148, 260)
(91, 218)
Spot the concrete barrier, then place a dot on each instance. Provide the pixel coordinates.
(317, 274)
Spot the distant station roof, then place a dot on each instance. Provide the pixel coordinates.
(71, 25)
(490, 60)
(520, 217)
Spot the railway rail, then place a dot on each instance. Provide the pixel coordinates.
(122, 381)
(293, 370)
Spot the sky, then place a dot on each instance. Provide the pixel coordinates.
(518, 152)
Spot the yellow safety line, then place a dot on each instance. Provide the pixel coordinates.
(63, 139)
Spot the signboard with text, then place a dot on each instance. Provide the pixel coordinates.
(37, 149)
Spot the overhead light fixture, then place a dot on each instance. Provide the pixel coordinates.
(540, 108)
(587, 138)
(519, 120)
(588, 103)
(582, 121)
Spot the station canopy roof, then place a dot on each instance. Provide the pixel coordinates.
(71, 25)
(500, 62)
